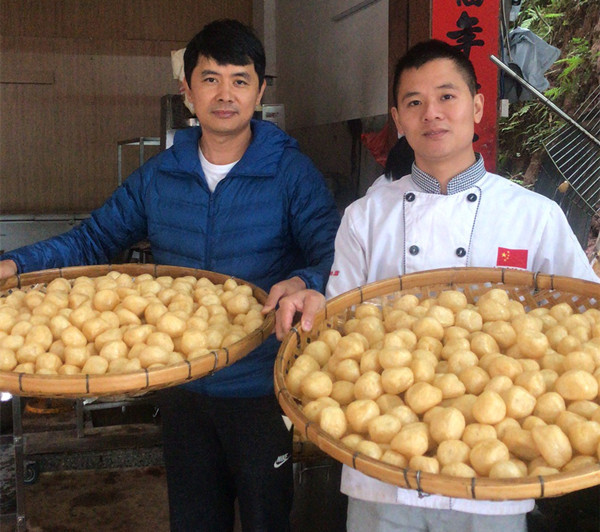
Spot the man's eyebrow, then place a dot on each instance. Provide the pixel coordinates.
(412, 94)
(240, 74)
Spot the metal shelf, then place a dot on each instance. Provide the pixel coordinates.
(141, 142)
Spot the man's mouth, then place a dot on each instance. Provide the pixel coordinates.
(435, 133)
(224, 113)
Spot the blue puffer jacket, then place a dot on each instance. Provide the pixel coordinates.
(270, 219)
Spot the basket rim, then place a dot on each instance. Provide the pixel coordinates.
(141, 381)
(478, 488)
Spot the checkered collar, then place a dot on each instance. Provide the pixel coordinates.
(459, 183)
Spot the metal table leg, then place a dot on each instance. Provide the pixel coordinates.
(19, 463)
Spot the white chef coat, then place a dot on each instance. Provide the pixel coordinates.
(407, 226)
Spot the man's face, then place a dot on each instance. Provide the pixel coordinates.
(224, 96)
(437, 113)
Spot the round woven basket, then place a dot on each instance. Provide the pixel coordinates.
(139, 382)
(532, 290)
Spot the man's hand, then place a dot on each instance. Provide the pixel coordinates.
(308, 302)
(282, 289)
(8, 268)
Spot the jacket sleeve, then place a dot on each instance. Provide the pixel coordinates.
(112, 228)
(559, 252)
(314, 221)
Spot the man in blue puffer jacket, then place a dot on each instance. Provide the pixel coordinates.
(234, 196)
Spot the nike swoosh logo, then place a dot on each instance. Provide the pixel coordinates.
(281, 460)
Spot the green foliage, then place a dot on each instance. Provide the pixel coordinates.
(521, 135)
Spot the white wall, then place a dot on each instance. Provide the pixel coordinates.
(330, 71)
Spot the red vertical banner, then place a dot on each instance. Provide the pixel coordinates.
(472, 26)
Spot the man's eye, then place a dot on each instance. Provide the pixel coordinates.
(240, 82)
(447, 96)
(209, 80)
(413, 103)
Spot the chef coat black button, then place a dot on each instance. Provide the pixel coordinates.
(413, 250)
(410, 197)
(472, 197)
(461, 252)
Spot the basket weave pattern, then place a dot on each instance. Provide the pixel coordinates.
(532, 290)
(139, 382)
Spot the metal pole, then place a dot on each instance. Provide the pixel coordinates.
(544, 100)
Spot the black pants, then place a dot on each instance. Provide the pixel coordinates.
(217, 449)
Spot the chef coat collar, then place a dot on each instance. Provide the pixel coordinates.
(459, 183)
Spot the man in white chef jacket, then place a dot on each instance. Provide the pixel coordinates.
(449, 212)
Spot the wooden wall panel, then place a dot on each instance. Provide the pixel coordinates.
(76, 78)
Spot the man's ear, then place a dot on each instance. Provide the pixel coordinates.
(478, 107)
(261, 92)
(396, 119)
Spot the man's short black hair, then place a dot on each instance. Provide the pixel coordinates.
(427, 51)
(228, 42)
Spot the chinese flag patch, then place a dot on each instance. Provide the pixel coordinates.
(512, 258)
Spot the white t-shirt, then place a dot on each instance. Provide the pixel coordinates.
(214, 173)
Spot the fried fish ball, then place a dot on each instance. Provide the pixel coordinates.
(450, 385)
(106, 299)
(312, 410)
(401, 338)
(394, 357)
(422, 370)
(397, 380)
(504, 365)
(383, 428)
(519, 402)
(319, 350)
(585, 437)
(394, 458)
(171, 324)
(453, 299)
(476, 432)
(532, 381)
(460, 360)
(387, 401)
(76, 355)
(331, 337)
(398, 319)
(412, 440)
(429, 326)
(447, 424)
(25, 367)
(561, 311)
(483, 343)
(422, 396)
(352, 440)
(458, 469)
(577, 385)
(8, 359)
(370, 449)
(60, 284)
(350, 347)
(453, 345)
(504, 425)
(567, 344)
(137, 334)
(502, 332)
(347, 370)
(12, 342)
(372, 328)
(474, 379)
(152, 354)
(505, 469)
(532, 421)
(95, 365)
(450, 333)
(451, 451)
(578, 462)
(67, 369)
(110, 335)
(28, 352)
(492, 310)
(112, 350)
(428, 343)
(489, 408)
(553, 444)
(333, 421)
(520, 442)
(404, 414)
(584, 408)
(566, 419)
(469, 319)
(47, 361)
(360, 412)
(465, 404)
(40, 334)
(368, 386)
(532, 343)
(486, 453)
(343, 392)
(427, 464)
(316, 384)
(548, 406)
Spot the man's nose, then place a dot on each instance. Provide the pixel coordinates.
(224, 93)
(431, 111)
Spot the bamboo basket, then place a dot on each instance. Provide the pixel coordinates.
(139, 382)
(532, 290)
